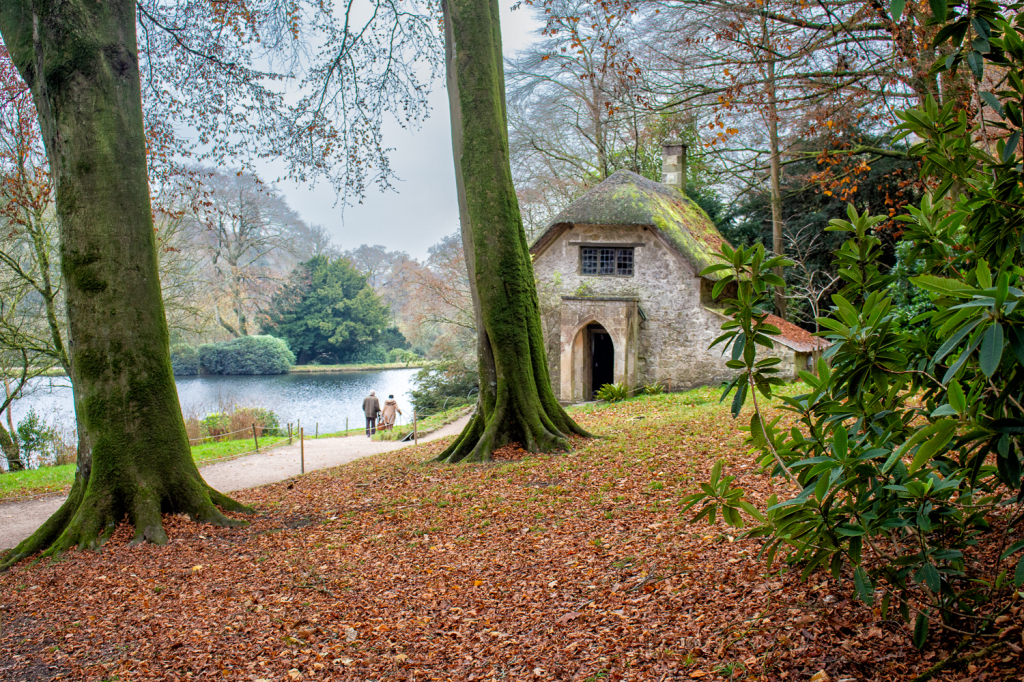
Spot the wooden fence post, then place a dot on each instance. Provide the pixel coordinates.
(289, 433)
(415, 433)
(316, 434)
(302, 452)
(254, 440)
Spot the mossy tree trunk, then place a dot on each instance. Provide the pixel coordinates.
(80, 60)
(517, 403)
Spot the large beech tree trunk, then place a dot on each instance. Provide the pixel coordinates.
(79, 57)
(517, 403)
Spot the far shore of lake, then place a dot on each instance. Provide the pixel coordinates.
(314, 369)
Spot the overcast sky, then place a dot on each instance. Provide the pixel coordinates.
(424, 206)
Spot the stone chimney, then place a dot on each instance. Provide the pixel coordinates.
(673, 164)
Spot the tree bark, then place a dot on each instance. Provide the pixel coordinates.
(80, 59)
(778, 245)
(517, 403)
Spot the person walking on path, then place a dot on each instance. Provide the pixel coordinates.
(371, 408)
(387, 415)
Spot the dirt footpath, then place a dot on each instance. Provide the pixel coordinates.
(19, 519)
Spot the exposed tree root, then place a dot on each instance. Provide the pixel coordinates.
(90, 514)
(957, 661)
(534, 427)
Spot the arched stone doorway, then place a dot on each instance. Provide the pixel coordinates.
(602, 359)
(593, 353)
(598, 345)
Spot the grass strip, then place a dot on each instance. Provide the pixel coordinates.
(56, 479)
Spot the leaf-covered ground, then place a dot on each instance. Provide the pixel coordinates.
(568, 567)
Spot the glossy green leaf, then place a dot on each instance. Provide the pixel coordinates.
(956, 397)
(864, 586)
(935, 437)
(896, 9)
(921, 630)
(993, 102)
(991, 349)
(1011, 146)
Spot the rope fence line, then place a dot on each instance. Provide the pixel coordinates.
(247, 429)
(263, 448)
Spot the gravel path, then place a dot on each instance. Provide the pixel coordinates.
(19, 519)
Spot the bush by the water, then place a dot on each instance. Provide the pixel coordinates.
(368, 355)
(443, 385)
(402, 355)
(246, 355)
(184, 360)
(233, 422)
(43, 444)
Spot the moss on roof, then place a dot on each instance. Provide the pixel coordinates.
(626, 198)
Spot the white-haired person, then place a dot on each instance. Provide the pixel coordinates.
(371, 408)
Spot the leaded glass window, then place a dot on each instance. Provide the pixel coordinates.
(606, 261)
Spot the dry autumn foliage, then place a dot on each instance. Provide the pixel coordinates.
(575, 566)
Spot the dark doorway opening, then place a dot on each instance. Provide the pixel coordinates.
(602, 358)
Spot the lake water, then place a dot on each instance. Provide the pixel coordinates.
(326, 399)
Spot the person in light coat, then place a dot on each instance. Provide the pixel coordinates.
(387, 414)
(371, 408)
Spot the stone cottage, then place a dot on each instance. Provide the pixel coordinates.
(623, 301)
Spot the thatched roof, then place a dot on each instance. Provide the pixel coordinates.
(626, 198)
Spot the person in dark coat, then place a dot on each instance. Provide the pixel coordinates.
(371, 408)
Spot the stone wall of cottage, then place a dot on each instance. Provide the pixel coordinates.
(673, 340)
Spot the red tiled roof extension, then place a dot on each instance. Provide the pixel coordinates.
(797, 338)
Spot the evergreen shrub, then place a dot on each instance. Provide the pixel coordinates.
(402, 355)
(184, 360)
(368, 355)
(444, 384)
(43, 444)
(901, 465)
(246, 355)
